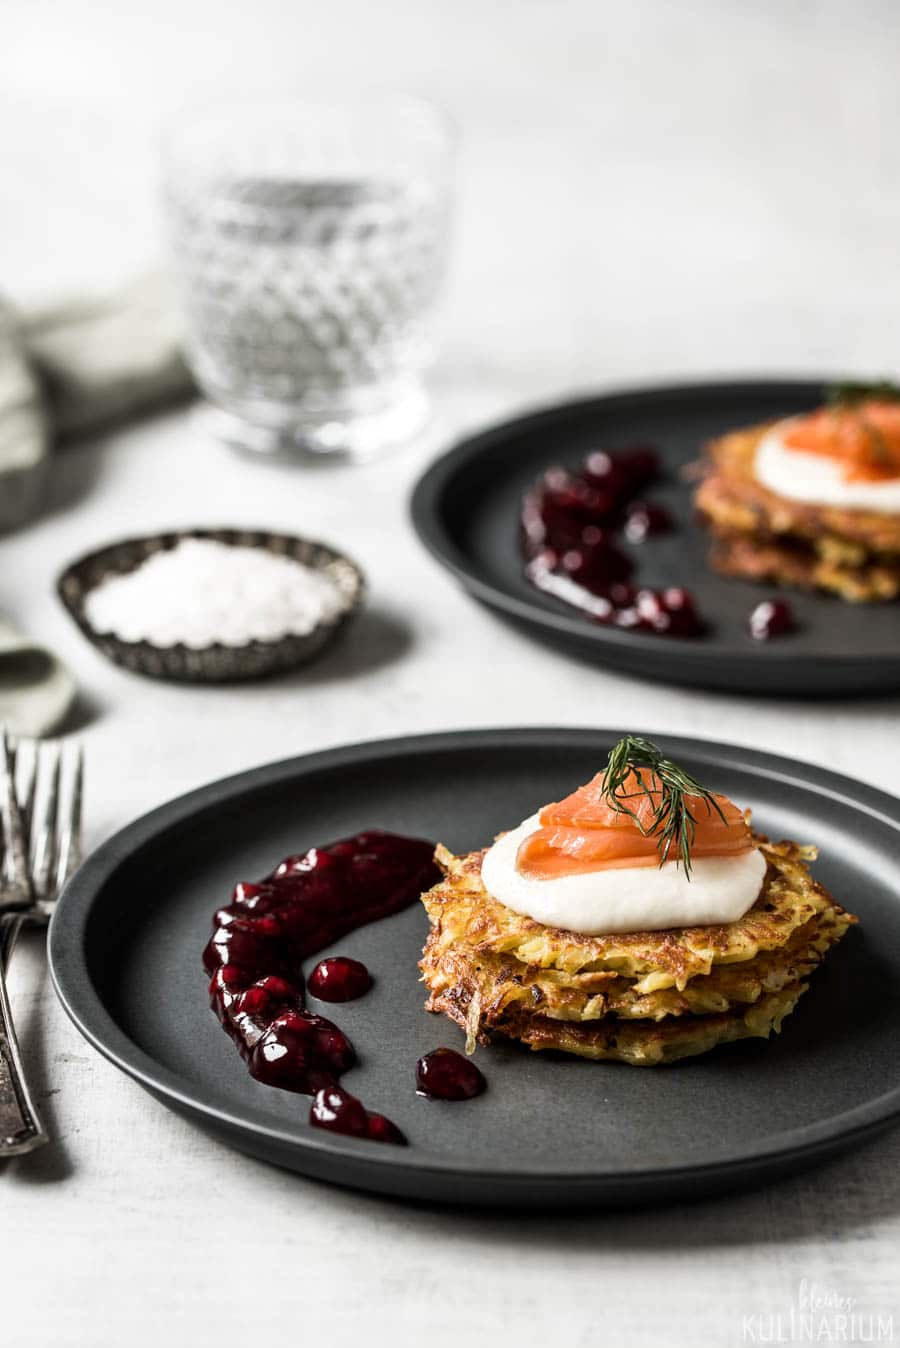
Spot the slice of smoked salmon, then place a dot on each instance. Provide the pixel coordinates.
(584, 833)
(865, 439)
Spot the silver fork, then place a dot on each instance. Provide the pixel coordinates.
(38, 854)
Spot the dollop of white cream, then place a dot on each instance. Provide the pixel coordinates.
(642, 898)
(816, 480)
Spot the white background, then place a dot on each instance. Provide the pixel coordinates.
(647, 190)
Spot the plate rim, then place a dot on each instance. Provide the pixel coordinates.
(436, 539)
(88, 1012)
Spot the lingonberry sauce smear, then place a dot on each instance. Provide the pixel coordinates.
(261, 938)
(445, 1074)
(571, 524)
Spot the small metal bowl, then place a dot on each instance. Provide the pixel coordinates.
(216, 663)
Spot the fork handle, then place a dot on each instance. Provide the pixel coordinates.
(21, 1129)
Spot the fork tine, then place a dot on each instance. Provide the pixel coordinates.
(11, 766)
(70, 840)
(26, 798)
(16, 859)
(45, 843)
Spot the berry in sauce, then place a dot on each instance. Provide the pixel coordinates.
(545, 573)
(569, 538)
(337, 1111)
(596, 567)
(339, 980)
(301, 1052)
(606, 473)
(445, 1074)
(558, 511)
(622, 596)
(632, 620)
(771, 618)
(642, 464)
(669, 612)
(381, 1129)
(625, 472)
(644, 519)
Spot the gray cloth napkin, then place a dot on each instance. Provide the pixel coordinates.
(36, 689)
(24, 430)
(76, 367)
(66, 370)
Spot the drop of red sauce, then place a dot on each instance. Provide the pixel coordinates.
(260, 939)
(445, 1074)
(645, 519)
(771, 618)
(337, 1111)
(339, 980)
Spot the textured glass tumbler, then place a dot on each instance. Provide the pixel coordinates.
(309, 243)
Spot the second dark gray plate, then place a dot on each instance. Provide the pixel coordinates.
(126, 941)
(466, 511)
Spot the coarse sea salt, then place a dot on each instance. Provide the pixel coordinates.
(201, 592)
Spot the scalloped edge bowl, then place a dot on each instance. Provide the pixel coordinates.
(216, 663)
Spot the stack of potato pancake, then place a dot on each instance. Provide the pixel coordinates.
(643, 998)
(762, 536)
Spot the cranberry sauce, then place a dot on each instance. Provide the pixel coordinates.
(260, 939)
(643, 519)
(771, 618)
(671, 612)
(445, 1074)
(339, 980)
(571, 525)
(340, 1112)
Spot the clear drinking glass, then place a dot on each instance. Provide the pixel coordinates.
(309, 243)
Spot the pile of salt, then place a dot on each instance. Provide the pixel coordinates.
(201, 592)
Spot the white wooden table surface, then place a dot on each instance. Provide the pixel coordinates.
(647, 191)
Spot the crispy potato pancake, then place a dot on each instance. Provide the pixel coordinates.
(504, 987)
(462, 908)
(762, 536)
(731, 497)
(645, 997)
(651, 1044)
(783, 564)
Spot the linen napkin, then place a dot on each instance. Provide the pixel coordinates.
(79, 366)
(36, 689)
(65, 370)
(24, 430)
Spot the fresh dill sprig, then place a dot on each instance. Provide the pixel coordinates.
(672, 823)
(850, 393)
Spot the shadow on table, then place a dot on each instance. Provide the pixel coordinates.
(84, 711)
(377, 637)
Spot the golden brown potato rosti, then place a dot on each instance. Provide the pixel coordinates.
(505, 987)
(657, 959)
(731, 495)
(780, 562)
(650, 1044)
(763, 536)
(642, 997)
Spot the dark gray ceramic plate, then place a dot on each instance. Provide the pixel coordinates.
(466, 509)
(125, 953)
